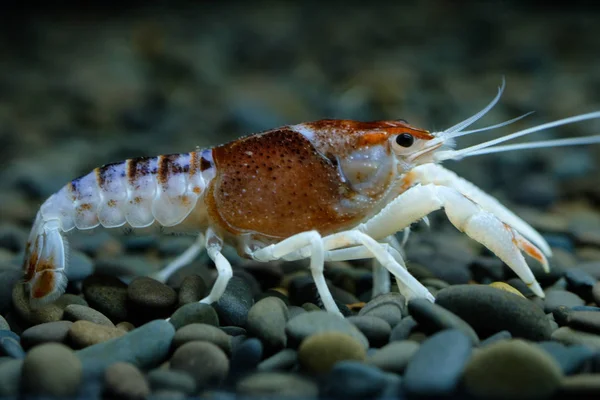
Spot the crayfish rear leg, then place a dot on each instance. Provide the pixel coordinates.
(45, 262)
(182, 260)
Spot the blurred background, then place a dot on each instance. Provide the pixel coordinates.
(85, 86)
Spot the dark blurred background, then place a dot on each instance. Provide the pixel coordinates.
(85, 85)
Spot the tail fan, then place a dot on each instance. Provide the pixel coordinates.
(44, 266)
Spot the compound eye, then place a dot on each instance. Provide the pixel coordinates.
(405, 140)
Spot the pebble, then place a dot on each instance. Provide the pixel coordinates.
(194, 313)
(568, 335)
(512, 369)
(10, 378)
(390, 307)
(596, 293)
(277, 385)
(285, 360)
(374, 328)
(403, 330)
(434, 318)
(233, 330)
(585, 321)
(311, 323)
(561, 315)
(49, 313)
(108, 295)
(150, 299)
(557, 298)
(125, 381)
(80, 266)
(84, 333)
(44, 333)
(507, 287)
(51, 369)
(9, 276)
(10, 345)
(245, 358)
(193, 289)
(584, 386)
(235, 303)
(76, 312)
(320, 352)
(502, 335)
(571, 359)
(353, 380)
(266, 320)
(144, 347)
(580, 282)
(205, 332)
(125, 326)
(395, 356)
(168, 379)
(213, 360)
(489, 310)
(435, 369)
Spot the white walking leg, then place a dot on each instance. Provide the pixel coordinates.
(313, 242)
(389, 258)
(214, 245)
(466, 216)
(182, 260)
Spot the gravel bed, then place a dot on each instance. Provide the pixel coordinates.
(146, 80)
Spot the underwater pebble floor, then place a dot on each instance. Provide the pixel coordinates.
(140, 85)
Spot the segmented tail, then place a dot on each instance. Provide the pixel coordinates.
(45, 262)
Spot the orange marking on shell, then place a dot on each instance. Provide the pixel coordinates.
(372, 138)
(197, 190)
(532, 250)
(111, 203)
(407, 181)
(44, 285)
(84, 207)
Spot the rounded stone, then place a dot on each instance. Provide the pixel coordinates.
(107, 295)
(403, 330)
(235, 303)
(193, 289)
(434, 318)
(10, 378)
(278, 385)
(556, 298)
(571, 359)
(48, 313)
(266, 321)
(507, 287)
(320, 352)
(374, 328)
(168, 379)
(194, 313)
(4, 326)
(245, 358)
(570, 336)
(390, 307)
(76, 312)
(150, 299)
(583, 386)
(10, 345)
(512, 369)
(125, 381)
(315, 322)
(489, 310)
(213, 360)
(203, 332)
(585, 320)
(353, 380)
(84, 333)
(44, 333)
(285, 360)
(596, 292)
(395, 356)
(51, 369)
(435, 369)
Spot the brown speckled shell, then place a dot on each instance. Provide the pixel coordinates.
(277, 184)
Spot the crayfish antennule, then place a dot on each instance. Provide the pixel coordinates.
(44, 264)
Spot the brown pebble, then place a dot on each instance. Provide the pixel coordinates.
(125, 381)
(126, 326)
(84, 333)
(319, 352)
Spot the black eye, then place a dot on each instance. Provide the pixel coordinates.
(405, 140)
